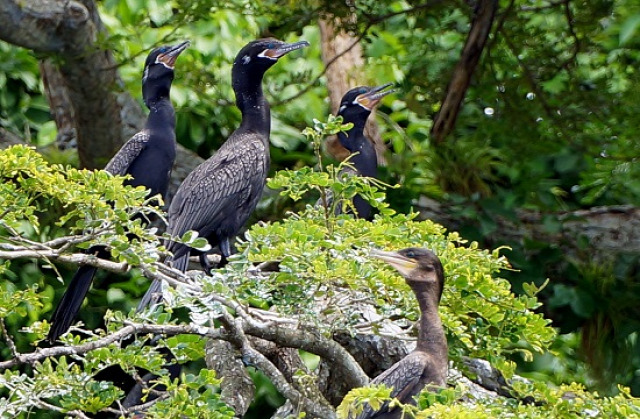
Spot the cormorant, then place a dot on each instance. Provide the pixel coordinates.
(355, 107)
(217, 198)
(148, 157)
(427, 363)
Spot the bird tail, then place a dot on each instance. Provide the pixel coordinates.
(71, 302)
(154, 293)
(152, 296)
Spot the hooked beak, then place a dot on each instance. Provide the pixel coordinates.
(283, 49)
(370, 99)
(169, 58)
(403, 264)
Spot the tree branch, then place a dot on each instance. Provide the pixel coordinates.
(445, 120)
(237, 388)
(239, 339)
(127, 330)
(56, 255)
(44, 26)
(312, 341)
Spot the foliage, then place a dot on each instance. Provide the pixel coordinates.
(567, 401)
(322, 260)
(31, 188)
(23, 108)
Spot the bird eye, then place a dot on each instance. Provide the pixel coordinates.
(411, 254)
(271, 45)
(362, 91)
(164, 49)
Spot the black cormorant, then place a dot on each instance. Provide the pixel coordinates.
(148, 157)
(217, 198)
(427, 363)
(355, 107)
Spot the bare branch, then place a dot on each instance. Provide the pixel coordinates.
(445, 120)
(311, 340)
(576, 41)
(328, 64)
(56, 255)
(238, 338)
(237, 388)
(7, 338)
(8, 139)
(129, 329)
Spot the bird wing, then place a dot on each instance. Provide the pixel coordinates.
(219, 189)
(404, 376)
(120, 163)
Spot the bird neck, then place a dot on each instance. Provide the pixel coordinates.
(366, 160)
(161, 114)
(431, 338)
(256, 114)
(156, 90)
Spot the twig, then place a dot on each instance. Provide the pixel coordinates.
(551, 5)
(7, 338)
(324, 71)
(377, 19)
(574, 35)
(128, 329)
(137, 408)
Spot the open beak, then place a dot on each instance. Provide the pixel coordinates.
(284, 49)
(370, 99)
(169, 58)
(403, 264)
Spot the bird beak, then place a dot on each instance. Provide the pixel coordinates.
(370, 99)
(402, 264)
(283, 49)
(169, 58)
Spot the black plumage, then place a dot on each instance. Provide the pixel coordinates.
(427, 363)
(355, 108)
(217, 198)
(148, 157)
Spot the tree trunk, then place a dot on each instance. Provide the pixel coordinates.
(70, 29)
(59, 104)
(86, 94)
(343, 58)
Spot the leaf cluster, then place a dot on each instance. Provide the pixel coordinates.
(566, 401)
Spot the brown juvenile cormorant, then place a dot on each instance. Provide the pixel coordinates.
(217, 198)
(148, 157)
(427, 364)
(355, 107)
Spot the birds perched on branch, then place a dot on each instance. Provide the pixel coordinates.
(427, 363)
(148, 157)
(355, 108)
(217, 198)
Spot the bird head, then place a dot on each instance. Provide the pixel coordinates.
(418, 266)
(359, 101)
(263, 53)
(158, 70)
